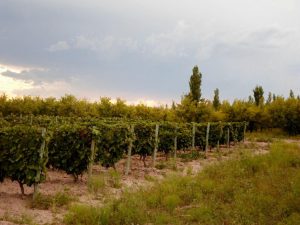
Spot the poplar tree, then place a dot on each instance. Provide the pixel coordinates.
(292, 94)
(216, 102)
(195, 85)
(258, 93)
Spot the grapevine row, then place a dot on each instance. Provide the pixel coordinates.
(25, 151)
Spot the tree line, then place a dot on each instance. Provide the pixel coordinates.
(261, 112)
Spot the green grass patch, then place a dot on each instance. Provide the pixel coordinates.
(114, 179)
(169, 164)
(266, 135)
(44, 202)
(191, 155)
(96, 184)
(24, 218)
(261, 189)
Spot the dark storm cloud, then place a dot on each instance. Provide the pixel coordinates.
(147, 48)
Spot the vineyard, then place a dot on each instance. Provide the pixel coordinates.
(29, 145)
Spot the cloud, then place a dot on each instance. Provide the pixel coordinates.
(109, 46)
(59, 46)
(169, 44)
(148, 48)
(37, 76)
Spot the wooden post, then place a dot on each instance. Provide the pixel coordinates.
(193, 138)
(220, 136)
(90, 168)
(207, 137)
(228, 138)
(128, 164)
(235, 136)
(175, 143)
(156, 144)
(245, 127)
(38, 175)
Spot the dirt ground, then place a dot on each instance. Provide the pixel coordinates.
(14, 208)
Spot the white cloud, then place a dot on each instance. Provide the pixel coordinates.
(59, 46)
(109, 46)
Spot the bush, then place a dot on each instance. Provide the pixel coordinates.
(70, 149)
(22, 157)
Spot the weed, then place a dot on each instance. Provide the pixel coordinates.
(160, 166)
(24, 218)
(189, 170)
(114, 178)
(41, 201)
(149, 178)
(83, 215)
(192, 155)
(96, 184)
(170, 202)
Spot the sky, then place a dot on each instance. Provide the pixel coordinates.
(144, 50)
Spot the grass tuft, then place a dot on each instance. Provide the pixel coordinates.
(44, 202)
(96, 184)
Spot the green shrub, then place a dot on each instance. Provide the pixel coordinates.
(70, 149)
(22, 157)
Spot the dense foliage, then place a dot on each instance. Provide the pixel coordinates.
(22, 157)
(276, 112)
(144, 139)
(112, 142)
(70, 149)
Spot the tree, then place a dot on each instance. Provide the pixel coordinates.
(195, 84)
(250, 99)
(292, 94)
(258, 93)
(216, 102)
(173, 107)
(269, 100)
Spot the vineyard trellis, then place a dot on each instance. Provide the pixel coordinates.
(73, 144)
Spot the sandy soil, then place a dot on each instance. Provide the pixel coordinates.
(13, 206)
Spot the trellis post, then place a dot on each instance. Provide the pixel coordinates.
(220, 136)
(156, 144)
(245, 127)
(128, 163)
(207, 137)
(228, 138)
(175, 143)
(92, 159)
(38, 175)
(193, 138)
